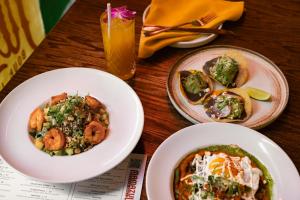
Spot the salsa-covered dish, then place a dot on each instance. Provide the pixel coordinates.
(224, 172)
(195, 85)
(228, 70)
(228, 105)
(68, 124)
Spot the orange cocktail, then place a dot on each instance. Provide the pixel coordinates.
(119, 42)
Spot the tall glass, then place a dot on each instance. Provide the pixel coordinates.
(119, 45)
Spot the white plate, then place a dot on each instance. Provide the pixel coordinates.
(203, 39)
(176, 147)
(263, 74)
(125, 128)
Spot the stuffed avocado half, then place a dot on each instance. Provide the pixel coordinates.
(195, 85)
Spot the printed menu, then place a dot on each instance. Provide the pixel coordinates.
(124, 182)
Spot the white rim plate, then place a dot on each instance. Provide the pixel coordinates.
(263, 74)
(167, 156)
(203, 39)
(125, 128)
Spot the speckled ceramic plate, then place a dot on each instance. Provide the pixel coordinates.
(263, 74)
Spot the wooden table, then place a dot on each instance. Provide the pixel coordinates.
(268, 27)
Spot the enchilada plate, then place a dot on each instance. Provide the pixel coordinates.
(160, 173)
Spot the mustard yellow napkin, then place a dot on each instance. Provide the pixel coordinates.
(174, 12)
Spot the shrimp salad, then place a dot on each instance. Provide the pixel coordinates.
(68, 124)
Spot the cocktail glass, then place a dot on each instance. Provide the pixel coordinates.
(119, 41)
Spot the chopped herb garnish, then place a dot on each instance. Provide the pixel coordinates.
(225, 71)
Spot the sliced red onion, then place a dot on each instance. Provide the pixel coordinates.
(122, 13)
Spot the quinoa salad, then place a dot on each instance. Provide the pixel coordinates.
(68, 124)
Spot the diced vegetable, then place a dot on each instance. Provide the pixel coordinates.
(69, 151)
(38, 143)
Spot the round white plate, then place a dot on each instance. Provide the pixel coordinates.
(125, 128)
(263, 74)
(167, 156)
(203, 39)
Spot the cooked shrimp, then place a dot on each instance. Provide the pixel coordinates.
(36, 119)
(54, 140)
(58, 98)
(94, 132)
(93, 102)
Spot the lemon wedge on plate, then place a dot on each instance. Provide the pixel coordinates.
(258, 94)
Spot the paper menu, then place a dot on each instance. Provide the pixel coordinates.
(124, 182)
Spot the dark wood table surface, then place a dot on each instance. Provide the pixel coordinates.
(268, 27)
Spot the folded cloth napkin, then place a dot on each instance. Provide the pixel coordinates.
(175, 12)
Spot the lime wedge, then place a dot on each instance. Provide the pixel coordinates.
(258, 94)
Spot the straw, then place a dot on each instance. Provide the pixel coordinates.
(108, 19)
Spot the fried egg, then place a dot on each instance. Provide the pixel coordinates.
(237, 169)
